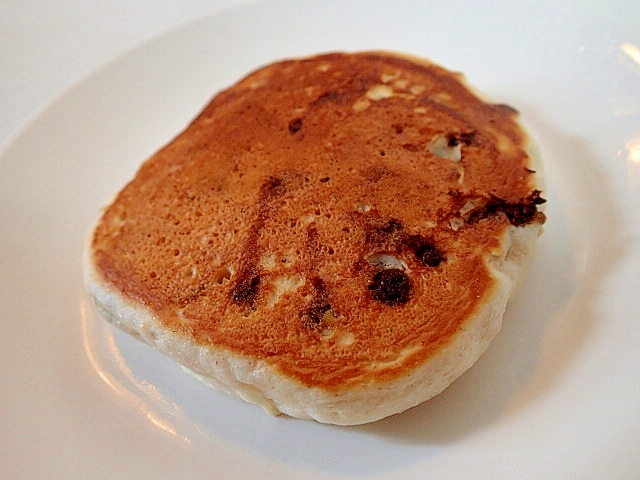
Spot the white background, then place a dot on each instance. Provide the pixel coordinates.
(47, 46)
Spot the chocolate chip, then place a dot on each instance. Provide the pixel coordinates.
(325, 179)
(429, 255)
(295, 126)
(536, 198)
(452, 141)
(425, 251)
(518, 213)
(390, 286)
(246, 291)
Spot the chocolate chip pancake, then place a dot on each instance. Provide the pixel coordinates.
(333, 237)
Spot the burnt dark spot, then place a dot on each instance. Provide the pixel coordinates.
(518, 213)
(325, 179)
(398, 128)
(318, 284)
(424, 250)
(272, 187)
(467, 137)
(411, 147)
(383, 234)
(529, 170)
(246, 290)
(360, 265)
(330, 96)
(375, 173)
(390, 227)
(295, 126)
(312, 234)
(313, 315)
(390, 286)
(382, 153)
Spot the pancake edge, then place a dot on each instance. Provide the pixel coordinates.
(257, 382)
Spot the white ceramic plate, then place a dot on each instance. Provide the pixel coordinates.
(556, 396)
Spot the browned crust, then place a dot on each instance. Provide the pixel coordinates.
(273, 178)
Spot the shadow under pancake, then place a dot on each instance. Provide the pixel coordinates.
(545, 325)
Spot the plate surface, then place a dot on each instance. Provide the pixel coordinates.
(557, 395)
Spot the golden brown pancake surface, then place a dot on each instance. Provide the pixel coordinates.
(329, 215)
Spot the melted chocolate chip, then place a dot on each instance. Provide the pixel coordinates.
(425, 251)
(536, 198)
(390, 286)
(518, 213)
(295, 126)
(246, 290)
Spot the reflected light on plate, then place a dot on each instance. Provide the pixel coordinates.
(130, 394)
(633, 162)
(633, 146)
(632, 51)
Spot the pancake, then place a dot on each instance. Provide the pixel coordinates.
(333, 238)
